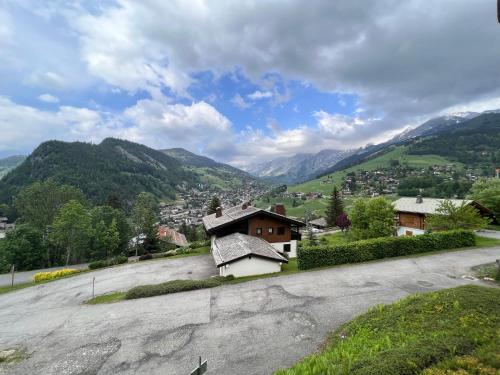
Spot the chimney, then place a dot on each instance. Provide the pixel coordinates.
(218, 212)
(419, 199)
(280, 209)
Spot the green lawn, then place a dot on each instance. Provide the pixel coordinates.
(421, 334)
(399, 153)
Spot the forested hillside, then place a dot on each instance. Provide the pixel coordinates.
(210, 172)
(112, 168)
(476, 143)
(10, 163)
(440, 165)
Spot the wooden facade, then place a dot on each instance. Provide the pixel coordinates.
(270, 229)
(411, 220)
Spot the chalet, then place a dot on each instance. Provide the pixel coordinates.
(319, 223)
(411, 212)
(246, 240)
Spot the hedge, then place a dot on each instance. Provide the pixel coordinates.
(173, 286)
(108, 262)
(377, 248)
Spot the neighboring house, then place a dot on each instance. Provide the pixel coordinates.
(412, 212)
(4, 227)
(242, 255)
(272, 231)
(319, 223)
(172, 236)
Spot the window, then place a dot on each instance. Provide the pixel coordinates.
(281, 231)
(286, 248)
(258, 231)
(270, 230)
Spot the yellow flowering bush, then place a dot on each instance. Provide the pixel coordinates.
(43, 276)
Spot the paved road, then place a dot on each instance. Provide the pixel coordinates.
(249, 328)
(26, 276)
(489, 233)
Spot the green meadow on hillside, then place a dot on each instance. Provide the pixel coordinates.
(399, 153)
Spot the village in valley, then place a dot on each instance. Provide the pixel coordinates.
(254, 187)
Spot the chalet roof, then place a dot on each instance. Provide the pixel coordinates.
(428, 205)
(321, 222)
(237, 213)
(235, 246)
(175, 237)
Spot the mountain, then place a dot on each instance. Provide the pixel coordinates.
(473, 144)
(113, 167)
(10, 163)
(209, 171)
(435, 125)
(297, 168)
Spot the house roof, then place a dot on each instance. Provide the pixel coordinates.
(428, 205)
(235, 246)
(175, 237)
(237, 213)
(321, 222)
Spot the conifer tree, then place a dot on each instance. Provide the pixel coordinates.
(335, 208)
(212, 206)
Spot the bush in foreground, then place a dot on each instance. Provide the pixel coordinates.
(168, 287)
(52, 275)
(378, 248)
(108, 262)
(416, 333)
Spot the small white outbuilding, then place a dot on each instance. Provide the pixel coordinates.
(243, 255)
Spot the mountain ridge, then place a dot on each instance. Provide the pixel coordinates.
(113, 167)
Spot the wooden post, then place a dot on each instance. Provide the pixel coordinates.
(12, 271)
(93, 286)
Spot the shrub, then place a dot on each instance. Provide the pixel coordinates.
(146, 256)
(197, 244)
(108, 262)
(52, 275)
(168, 287)
(378, 248)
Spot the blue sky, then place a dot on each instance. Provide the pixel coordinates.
(242, 82)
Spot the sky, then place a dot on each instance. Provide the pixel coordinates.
(241, 81)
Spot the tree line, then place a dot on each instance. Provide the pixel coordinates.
(57, 226)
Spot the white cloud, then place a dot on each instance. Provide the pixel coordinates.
(238, 101)
(46, 80)
(161, 124)
(257, 95)
(47, 98)
(157, 124)
(403, 59)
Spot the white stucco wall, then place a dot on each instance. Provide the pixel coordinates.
(416, 232)
(249, 267)
(293, 248)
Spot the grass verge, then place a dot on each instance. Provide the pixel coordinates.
(423, 332)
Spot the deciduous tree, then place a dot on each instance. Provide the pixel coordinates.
(145, 217)
(72, 231)
(450, 216)
(487, 192)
